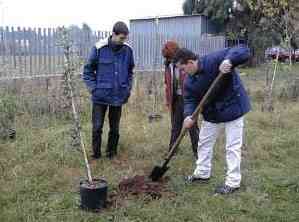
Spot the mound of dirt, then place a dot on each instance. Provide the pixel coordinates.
(137, 187)
(142, 185)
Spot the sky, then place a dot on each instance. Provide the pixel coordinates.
(98, 14)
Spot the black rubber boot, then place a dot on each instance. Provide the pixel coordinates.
(96, 145)
(112, 145)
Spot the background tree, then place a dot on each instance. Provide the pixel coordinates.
(189, 7)
(261, 22)
(216, 10)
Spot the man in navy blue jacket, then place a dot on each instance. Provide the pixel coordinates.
(226, 108)
(108, 75)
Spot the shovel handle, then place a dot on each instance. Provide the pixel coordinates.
(194, 116)
(200, 106)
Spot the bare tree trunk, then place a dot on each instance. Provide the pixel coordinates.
(268, 99)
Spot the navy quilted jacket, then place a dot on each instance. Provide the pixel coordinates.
(108, 75)
(230, 100)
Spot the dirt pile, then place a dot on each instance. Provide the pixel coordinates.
(142, 185)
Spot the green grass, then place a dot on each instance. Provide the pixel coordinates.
(40, 172)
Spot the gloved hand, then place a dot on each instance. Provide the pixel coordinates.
(225, 66)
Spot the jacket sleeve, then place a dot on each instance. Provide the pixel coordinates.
(238, 55)
(130, 71)
(89, 70)
(165, 87)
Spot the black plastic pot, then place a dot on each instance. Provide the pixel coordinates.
(93, 196)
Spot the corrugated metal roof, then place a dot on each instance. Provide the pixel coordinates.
(174, 25)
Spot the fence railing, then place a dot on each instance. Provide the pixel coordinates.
(31, 52)
(35, 52)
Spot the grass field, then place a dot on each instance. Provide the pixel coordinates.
(40, 171)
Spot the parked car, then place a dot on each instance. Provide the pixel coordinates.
(282, 53)
(272, 53)
(296, 55)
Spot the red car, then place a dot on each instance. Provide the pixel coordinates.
(296, 55)
(283, 54)
(272, 53)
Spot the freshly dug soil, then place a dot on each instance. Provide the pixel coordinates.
(136, 187)
(142, 185)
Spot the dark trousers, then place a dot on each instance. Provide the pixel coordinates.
(177, 119)
(98, 117)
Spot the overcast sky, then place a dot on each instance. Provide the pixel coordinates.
(99, 14)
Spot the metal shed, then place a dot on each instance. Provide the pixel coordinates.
(147, 36)
(191, 25)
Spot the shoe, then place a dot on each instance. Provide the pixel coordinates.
(95, 157)
(225, 189)
(192, 179)
(195, 156)
(111, 155)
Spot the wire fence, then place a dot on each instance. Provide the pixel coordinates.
(34, 52)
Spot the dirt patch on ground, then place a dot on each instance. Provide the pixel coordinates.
(138, 187)
(142, 185)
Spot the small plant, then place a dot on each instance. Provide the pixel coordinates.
(8, 107)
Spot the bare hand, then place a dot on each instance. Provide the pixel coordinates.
(188, 122)
(225, 66)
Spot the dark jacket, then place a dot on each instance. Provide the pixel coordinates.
(168, 80)
(230, 100)
(108, 75)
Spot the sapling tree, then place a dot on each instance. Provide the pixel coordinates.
(70, 66)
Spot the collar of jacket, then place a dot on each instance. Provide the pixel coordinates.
(104, 42)
(199, 66)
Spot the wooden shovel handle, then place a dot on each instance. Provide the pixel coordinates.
(200, 106)
(194, 116)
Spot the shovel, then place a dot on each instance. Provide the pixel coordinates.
(158, 171)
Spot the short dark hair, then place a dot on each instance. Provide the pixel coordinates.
(182, 56)
(120, 28)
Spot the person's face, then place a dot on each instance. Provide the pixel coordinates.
(119, 39)
(190, 67)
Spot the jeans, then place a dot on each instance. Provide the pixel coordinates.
(98, 117)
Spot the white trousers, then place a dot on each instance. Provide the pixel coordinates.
(207, 138)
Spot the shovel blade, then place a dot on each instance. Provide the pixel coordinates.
(158, 172)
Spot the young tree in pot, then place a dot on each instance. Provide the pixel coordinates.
(93, 192)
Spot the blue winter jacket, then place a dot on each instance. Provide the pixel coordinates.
(108, 75)
(229, 100)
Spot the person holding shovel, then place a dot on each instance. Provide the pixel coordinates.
(225, 109)
(174, 90)
(108, 75)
